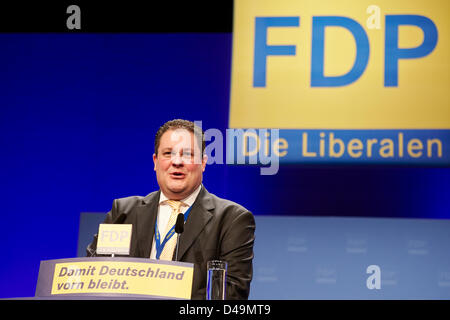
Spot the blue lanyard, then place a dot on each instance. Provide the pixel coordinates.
(159, 245)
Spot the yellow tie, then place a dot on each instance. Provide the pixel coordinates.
(168, 249)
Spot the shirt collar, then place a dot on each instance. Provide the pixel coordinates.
(189, 200)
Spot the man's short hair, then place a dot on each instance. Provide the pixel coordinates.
(180, 124)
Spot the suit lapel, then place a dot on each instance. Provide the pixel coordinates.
(196, 222)
(146, 218)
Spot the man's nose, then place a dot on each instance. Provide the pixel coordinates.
(177, 159)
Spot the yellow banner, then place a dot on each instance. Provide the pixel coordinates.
(121, 277)
(350, 64)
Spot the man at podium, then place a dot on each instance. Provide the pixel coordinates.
(214, 229)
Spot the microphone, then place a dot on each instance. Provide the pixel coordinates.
(179, 225)
(179, 228)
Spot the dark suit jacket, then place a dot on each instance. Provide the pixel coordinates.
(216, 229)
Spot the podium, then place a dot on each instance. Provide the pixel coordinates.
(118, 277)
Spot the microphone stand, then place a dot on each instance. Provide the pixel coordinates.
(178, 242)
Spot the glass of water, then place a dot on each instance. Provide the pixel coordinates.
(216, 280)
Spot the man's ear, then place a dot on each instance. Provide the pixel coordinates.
(154, 161)
(204, 160)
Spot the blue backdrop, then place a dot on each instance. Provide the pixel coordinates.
(77, 121)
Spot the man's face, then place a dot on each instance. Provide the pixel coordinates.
(179, 164)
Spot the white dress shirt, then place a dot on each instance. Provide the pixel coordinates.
(164, 212)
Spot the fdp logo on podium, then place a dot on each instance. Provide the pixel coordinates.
(114, 239)
(343, 69)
